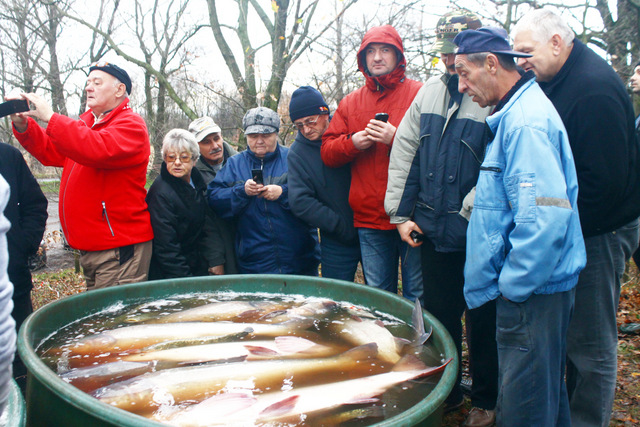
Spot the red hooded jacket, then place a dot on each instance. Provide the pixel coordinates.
(391, 93)
(104, 171)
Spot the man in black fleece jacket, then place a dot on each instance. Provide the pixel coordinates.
(319, 195)
(598, 116)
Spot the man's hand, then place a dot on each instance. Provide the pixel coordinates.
(271, 192)
(218, 270)
(361, 140)
(252, 188)
(40, 109)
(379, 131)
(405, 228)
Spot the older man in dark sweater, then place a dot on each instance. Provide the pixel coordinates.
(319, 195)
(597, 113)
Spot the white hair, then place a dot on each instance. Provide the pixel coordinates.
(181, 140)
(543, 25)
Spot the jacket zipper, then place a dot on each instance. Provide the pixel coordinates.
(490, 168)
(105, 216)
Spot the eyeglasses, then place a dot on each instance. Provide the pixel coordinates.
(308, 123)
(171, 158)
(99, 64)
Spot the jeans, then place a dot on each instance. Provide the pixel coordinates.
(443, 297)
(592, 338)
(339, 260)
(380, 252)
(531, 352)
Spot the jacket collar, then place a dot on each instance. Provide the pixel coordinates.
(90, 119)
(509, 99)
(576, 52)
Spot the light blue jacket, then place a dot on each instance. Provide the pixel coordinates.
(524, 235)
(7, 324)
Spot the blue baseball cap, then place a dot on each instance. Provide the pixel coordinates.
(486, 39)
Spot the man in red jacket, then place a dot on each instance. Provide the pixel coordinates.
(355, 137)
(104, 156)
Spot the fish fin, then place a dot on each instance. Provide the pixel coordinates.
(293, 344)
(417, 320)
(409, 362)
(228, 403)
(249, 314)
(271, 315)
(365, 351)
(260, 351)
(280, 408)
(435, 369)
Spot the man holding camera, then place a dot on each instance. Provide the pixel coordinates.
(355, 136)
(104, 156)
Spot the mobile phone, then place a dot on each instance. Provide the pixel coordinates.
(416, 237)
(14, 106)
(383, 117)
(256, 175)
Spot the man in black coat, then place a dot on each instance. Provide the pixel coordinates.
(319, 195)
(597, 113)
(27, 212)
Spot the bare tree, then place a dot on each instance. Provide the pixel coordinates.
(290, 34)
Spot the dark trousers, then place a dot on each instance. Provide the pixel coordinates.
(22, 308)
(443, 278)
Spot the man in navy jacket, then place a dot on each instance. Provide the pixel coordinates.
(319, 195)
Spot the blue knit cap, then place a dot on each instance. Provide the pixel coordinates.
(306, 101)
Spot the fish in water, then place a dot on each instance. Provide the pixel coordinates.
(281, 347)
(89, 378)
(223, 310)
(313, 308)
(140, 336)
(293, 406)
(196, 383)
(359, 331)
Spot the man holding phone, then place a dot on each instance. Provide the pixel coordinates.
(269, 238)
(444, 130)
(104, 156)
(357, 138)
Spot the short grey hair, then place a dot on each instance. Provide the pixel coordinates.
(506, 61)
(543, 25)
(180, 140)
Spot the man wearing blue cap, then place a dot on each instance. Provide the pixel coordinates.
(434, 166)
(104, 156)
(524, 243)
(318, 194)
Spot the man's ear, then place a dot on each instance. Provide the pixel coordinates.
(557, 44)
(121, 90)
(491, 63)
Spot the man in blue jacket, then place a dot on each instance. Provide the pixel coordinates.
(319, 195)
(252, 188)
(524, 244)
(434, 165)
(597, 113)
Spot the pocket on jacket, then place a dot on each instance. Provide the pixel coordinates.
(521, 191)
(490, 193)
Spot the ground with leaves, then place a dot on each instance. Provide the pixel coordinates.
(51, 286)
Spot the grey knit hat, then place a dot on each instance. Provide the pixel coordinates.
(261, 120)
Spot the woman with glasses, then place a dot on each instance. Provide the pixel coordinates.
(186, 241)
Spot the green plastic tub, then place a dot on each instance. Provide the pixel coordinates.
(52, 402)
